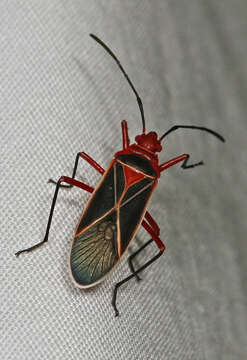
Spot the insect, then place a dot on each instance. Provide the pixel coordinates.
(118, 204)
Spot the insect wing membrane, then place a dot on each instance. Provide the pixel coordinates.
(94, 252)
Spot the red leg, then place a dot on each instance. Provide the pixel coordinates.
(152, 222)
(77, 183)
(184, 158)
(172, 162)
(92, 162)
(67, 180)
(125, 134)
(86, 157)
(154, 236)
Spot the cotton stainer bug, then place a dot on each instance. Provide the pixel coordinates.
(118, 204)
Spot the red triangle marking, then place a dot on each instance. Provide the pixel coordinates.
(131, 176)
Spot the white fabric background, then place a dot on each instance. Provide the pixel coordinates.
(60, 94)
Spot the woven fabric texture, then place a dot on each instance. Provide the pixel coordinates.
(61, 94)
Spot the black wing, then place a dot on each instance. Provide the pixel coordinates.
(109, 222)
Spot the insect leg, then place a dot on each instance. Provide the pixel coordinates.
(125, 135)
(152, 222)
(185, 166)
(86, 157)
(68, 180)
(160, 245)
(132, 256)
(156, 229)
(174, 161)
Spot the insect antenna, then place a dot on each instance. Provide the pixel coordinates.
(192, 127)
(126, 76)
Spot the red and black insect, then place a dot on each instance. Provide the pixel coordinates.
(118, 204)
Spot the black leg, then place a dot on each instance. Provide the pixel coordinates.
(89, 160)
(129, 278)
(132, 256)
(62, 179)
(185, 166)
(73, 174)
